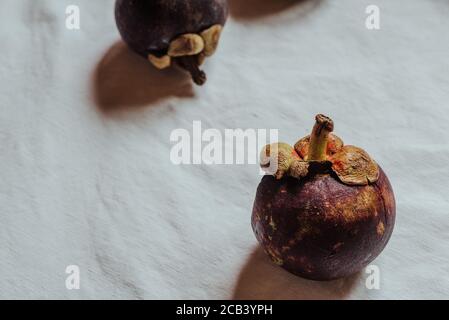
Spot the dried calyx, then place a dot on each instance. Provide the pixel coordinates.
(284, 160)
(189, 51)
(352, 165)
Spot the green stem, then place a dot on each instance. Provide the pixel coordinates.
(319, 138)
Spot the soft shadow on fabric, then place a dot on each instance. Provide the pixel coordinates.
(261, 279)
(126, 81)
(253, 9)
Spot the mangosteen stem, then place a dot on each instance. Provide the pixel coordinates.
(190, 63)
(319, 138)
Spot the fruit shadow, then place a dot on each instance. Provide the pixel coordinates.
(260, 279)
(253, 9)
(124, 81)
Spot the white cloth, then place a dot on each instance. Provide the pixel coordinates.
(87, 180)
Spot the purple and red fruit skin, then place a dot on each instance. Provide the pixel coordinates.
(148, 26)
(321, 229)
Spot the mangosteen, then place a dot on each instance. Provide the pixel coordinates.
(167, 32)
(326, 210)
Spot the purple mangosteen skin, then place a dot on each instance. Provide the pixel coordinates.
(148, 26)
(321, 229)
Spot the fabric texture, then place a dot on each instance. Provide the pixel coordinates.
(85, 146)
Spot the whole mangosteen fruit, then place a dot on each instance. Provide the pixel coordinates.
(324, 210)
(167, 32)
